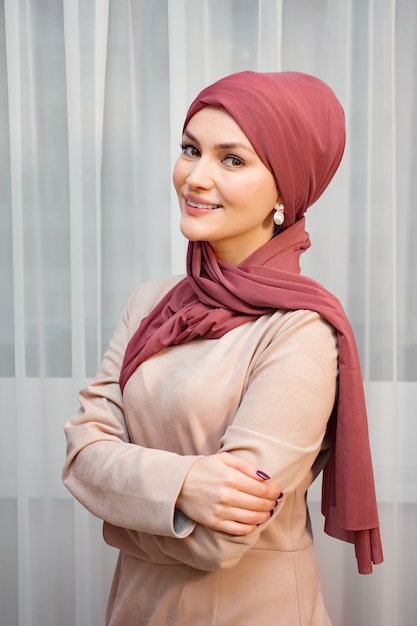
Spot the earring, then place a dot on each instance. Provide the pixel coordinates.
(279, 215)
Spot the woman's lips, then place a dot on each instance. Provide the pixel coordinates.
(195, 207)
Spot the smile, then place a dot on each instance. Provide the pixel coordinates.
(198, 205)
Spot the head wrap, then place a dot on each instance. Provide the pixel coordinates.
(296, 125)
(294, 122)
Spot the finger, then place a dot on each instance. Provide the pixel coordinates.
(231, 498)
(243, 465)
(250, 518)
(255, 485)
(247, 471)
(237, 529)
(240, 522)
(260, 488)
(244, 500)
(262, 475)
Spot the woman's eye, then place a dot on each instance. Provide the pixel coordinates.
(233, 161)
(190, 150)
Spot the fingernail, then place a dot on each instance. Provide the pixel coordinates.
(262, 475)
(271, 513)
(278, 499)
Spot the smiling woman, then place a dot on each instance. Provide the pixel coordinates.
(92, 103)
(226, 193)
(224, 393)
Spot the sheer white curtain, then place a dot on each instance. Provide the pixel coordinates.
(92, 98)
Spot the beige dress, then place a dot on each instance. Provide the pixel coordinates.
(264, 391)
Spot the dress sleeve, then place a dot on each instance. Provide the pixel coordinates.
(290, 395)
(280, 426)
(120, 482)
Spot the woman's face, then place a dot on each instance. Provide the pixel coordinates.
(227, 196)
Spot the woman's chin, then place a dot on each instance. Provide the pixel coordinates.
(192, 234)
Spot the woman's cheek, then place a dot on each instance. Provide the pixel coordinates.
(179, 174)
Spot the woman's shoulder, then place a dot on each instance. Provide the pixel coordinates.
(300, 329)
(308, 323)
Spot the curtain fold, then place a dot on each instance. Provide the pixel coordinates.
(19, 505)
(91, 108)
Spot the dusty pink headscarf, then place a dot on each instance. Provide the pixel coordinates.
(296, 125)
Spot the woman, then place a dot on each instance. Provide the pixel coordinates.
(223, 394)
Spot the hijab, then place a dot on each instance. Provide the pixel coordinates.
(296, 125)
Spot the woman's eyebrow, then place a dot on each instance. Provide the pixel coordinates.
(230, 145)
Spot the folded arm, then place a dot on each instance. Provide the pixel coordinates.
(204, 511)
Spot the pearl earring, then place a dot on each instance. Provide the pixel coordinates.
(279, 215)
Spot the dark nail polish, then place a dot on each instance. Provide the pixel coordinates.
(262, 475)
(271, 513)
(278, 499)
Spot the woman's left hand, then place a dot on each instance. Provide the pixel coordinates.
(225, 493)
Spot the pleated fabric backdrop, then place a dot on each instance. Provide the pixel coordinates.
(92, 99)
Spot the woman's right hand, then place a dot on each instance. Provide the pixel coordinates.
(225, 493)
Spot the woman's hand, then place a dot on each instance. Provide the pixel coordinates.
(225, 493)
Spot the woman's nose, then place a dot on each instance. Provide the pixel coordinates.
(200, 174)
